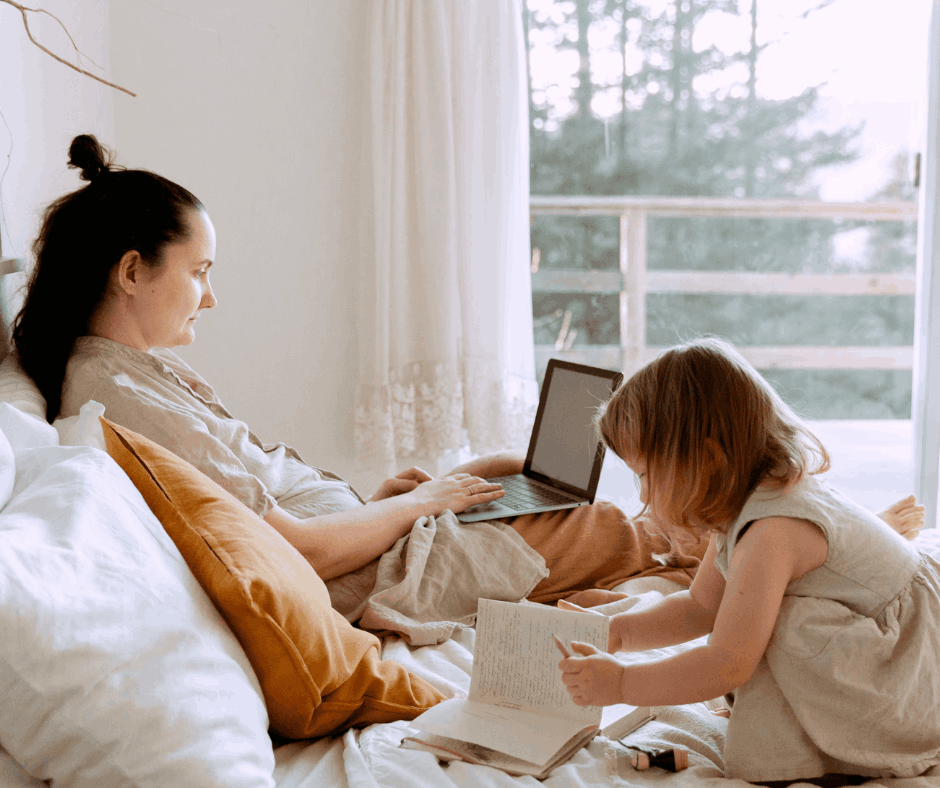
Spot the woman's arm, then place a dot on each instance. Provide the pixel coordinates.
(501, 463)
(341, 542)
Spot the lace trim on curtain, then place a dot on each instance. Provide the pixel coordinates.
(426, 412)
(499, 407)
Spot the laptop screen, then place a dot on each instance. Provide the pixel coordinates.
(566, 441)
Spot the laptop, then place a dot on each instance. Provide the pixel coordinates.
(563, 463)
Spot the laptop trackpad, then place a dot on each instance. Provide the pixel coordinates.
(486, 511)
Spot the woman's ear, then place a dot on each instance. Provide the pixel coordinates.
(128, 271)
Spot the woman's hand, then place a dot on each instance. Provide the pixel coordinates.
(906, 517)
(404, 482)
(592, 678)
(501, 463)
(457, 492)
(613, 637)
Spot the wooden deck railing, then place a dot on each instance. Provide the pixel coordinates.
(633, 281)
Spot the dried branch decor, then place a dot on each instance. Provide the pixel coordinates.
(24, 10)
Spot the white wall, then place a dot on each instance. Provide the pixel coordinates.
(256, 108)
(45, 104)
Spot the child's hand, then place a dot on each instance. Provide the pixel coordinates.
(403, 483)
(613, 639)
(906, 517)
(592, 679)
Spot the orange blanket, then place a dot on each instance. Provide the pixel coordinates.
(598, 546)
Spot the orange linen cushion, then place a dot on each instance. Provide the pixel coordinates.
(319, 674)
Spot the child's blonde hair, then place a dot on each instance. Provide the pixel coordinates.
(710, 429)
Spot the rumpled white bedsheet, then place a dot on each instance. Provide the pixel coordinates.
(371, 758)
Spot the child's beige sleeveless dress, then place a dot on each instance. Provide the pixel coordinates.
(850, 682)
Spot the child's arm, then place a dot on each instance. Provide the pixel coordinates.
(677, 618)
(772, 553)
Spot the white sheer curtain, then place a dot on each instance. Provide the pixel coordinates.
(926, 391)
(446, 346)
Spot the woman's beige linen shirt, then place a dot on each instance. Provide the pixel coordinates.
(159, 396)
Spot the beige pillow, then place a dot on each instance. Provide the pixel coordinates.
(318, 673)
(19, 389)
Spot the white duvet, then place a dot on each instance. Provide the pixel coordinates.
(116, 671)
(371, 758)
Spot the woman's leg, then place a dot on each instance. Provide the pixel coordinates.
(594, 546)
(598, 546)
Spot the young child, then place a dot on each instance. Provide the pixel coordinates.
(823, 622)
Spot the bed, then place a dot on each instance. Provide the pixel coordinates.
(118, 669)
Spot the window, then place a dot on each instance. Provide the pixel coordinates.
(741, 168)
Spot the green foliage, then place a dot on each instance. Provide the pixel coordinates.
(673, 135)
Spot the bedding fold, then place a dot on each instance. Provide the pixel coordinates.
(428, 584)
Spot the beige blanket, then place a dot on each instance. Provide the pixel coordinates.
(428, 584)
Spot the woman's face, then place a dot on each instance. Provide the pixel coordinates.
(171, 297)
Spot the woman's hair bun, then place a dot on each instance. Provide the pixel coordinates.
(90, 156)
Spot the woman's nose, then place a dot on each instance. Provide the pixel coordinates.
(208, 298)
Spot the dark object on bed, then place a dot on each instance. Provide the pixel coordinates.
(674, 760)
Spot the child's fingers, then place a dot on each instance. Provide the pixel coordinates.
(569, 666)
(575, 686)
(584, 649)
(577, 662)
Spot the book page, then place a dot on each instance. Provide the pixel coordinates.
(449, 749)
(515, 660)
(536, 738)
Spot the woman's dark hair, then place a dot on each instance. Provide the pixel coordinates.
(84, 234)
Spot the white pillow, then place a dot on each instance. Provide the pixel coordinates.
(7, 470)
(84, 429)
(18, 388)
(115, 668)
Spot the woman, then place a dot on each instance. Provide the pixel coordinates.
(122, 275)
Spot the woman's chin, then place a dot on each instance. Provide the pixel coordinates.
(185, 337)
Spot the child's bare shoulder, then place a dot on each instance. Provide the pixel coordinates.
(799, 542)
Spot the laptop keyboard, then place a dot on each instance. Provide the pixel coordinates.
(524, 494)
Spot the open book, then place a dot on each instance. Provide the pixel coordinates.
(519, 716)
